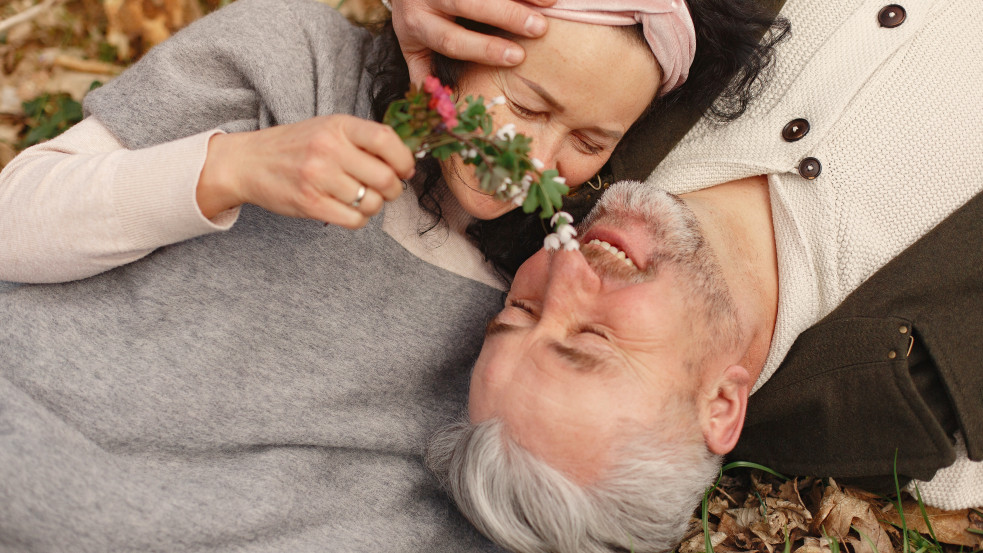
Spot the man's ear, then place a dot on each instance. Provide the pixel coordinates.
(723, 412)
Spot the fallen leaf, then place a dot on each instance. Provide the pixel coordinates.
(839, 514)
(813, 545)
(949, 526)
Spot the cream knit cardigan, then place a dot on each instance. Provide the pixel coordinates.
(895, 117)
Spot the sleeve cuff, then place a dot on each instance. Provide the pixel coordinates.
(154, 193)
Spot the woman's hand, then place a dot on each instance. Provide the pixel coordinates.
(425, 26)
(313, 169)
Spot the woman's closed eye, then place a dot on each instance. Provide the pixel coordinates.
(588, 146)
(525, 112)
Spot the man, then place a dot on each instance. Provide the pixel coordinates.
(599, 382)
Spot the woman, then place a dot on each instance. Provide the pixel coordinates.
(269, 387)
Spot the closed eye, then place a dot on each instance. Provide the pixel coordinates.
(588, 146)
(524, 306)
(593, 330)
(526, 113)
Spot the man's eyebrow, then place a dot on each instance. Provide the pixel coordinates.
(496, 327)
(582, 361)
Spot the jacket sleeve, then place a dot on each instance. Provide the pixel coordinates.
(82, 204)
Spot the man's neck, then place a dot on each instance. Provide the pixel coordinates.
(736, 221)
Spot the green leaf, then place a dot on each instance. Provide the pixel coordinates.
(544, 203)
(49, 116)
(532, 201)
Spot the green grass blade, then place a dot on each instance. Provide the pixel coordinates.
(705, 504)
(905, 546)
(749, 465)
(928, 523)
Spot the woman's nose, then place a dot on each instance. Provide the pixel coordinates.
(545, 148)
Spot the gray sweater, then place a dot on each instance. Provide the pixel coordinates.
(269, 388)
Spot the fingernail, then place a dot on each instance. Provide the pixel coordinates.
(513, 56)
(535, 24)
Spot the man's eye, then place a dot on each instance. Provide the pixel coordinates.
(594, 330)
(519, 304)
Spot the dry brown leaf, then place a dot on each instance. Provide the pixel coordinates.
(730, 525)
(873, 538)
(7, 153)
(145, 22)
(789, 491)
(745, 516)
(74, 63)
(839, 513)
(697, 544)
(949, 526)
(813, 545)
(718, 505)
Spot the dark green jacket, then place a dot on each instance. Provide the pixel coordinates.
(892, 369)
(895, 367)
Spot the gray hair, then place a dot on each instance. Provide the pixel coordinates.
(643, 502)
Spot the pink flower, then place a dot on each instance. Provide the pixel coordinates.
(448, 112)
(441, 101)
(431, 85)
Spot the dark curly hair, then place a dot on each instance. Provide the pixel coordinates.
(735, 42)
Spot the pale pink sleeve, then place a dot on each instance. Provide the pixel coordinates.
(82, 204)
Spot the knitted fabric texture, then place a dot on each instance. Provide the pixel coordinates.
(883, 184)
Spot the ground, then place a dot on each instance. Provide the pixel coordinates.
(53, 51)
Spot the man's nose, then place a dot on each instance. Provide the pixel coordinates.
(571, 282)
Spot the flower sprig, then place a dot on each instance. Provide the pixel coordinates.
(430, 121)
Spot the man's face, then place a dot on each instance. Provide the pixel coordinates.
(589, 346)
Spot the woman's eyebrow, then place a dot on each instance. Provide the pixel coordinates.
(545, 95)
(556, 105)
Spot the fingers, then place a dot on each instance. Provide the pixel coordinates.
(339, 209)
(454, 41)
(429, 25)
(383, 158)
(507, 15)
(315, 168)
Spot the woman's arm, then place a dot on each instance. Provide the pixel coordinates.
(81, 204)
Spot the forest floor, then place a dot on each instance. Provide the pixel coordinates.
(54, 51)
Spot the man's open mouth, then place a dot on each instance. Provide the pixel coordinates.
(613, 250)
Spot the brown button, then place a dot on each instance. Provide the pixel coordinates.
(810, 168)
(892, 354)
(891, 16)
(903, 329)
(795, 130)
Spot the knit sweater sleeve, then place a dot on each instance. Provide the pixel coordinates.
(82, 204)
(250, 65)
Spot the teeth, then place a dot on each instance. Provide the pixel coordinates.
(614, 251)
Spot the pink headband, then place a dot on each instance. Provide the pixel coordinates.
(667, 24)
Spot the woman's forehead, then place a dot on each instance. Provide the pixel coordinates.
(581, 62)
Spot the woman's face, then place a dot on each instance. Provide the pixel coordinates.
(576, 94)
